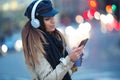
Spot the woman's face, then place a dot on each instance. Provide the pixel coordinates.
(49, 24)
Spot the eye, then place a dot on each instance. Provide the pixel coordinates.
(47, 18)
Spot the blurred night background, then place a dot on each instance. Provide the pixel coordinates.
(98, 18)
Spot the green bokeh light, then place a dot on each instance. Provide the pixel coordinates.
(114, 7)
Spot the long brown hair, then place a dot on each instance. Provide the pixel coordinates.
(32, 40)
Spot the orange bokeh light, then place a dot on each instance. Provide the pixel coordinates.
(92, 3)
(109, 8)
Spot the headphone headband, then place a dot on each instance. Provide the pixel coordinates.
(34, 9)
(35, 22)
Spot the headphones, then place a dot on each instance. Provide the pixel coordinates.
(34, 21)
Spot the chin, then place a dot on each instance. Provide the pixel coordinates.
(51, 30)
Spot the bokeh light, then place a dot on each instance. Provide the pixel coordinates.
(97, 15)
(13, 5)
(109, 8)
(79, 19)
(18, 45)
(4, 48)
(103, 19)
(84, 28)
(85, 15)
(110, 18)
(92, 3)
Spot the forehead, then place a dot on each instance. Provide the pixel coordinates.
(48, 17)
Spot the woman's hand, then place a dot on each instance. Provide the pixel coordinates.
(75, 53)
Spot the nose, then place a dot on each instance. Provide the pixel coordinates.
(52, 20)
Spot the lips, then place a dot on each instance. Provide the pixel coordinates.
(53, 26)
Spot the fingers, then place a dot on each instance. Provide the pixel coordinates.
(79, 50)
(81, 47)
(76, 52)
(78, 56)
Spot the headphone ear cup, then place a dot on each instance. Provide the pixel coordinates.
(35, 23)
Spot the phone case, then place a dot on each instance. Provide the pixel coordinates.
(83, 42)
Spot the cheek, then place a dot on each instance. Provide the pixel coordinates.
(46, 25)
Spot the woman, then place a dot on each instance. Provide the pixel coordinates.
(44, 46)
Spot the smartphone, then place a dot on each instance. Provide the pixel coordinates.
(83, 42)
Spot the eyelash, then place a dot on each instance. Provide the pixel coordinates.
(47, 18)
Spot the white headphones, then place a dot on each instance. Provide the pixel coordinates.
(35, 22)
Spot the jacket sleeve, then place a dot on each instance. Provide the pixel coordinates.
(45, 72)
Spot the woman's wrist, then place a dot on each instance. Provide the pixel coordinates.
(66, 60)
(71, 58)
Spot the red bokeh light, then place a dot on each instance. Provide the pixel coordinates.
(85, 15)
(116, 25)
(92, 12)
